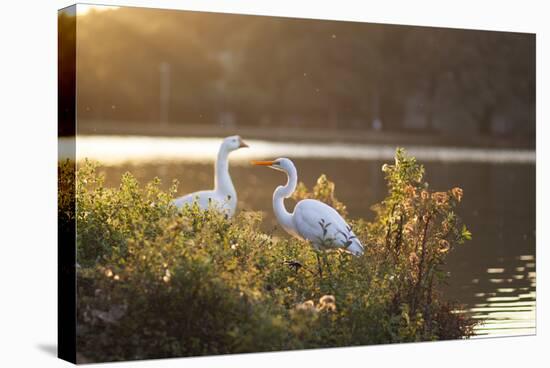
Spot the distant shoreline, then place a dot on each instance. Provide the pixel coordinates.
(284, 134)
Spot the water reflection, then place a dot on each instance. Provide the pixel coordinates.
(114, 150)
(493, 275)
(509, 309)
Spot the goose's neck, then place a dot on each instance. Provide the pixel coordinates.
(222, 180)
(282, 192)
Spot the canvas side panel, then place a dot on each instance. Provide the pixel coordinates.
(66, 245)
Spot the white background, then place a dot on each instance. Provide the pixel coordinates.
(28, 255)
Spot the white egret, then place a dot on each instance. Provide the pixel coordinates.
(223, 197)
(312, 220)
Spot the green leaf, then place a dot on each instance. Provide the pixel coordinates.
(466, 234)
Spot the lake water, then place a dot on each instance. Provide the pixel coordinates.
(494, 275)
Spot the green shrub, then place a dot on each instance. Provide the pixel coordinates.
(66, 199)
(155, 282)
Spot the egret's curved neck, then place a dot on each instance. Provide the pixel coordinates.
(282, 192)
(222, 180)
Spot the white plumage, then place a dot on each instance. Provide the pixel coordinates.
(312, 220)
(208, 199)
(223, 197)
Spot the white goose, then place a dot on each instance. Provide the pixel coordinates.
(312, 220)
(223, 197)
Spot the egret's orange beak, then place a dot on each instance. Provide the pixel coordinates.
(242, 144)
(262, 163)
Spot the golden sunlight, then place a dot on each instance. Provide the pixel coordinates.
(83, 9)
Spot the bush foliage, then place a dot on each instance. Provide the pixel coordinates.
(156, 282)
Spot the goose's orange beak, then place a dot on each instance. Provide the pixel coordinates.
(262, 163)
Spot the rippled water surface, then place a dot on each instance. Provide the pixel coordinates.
(494, 275)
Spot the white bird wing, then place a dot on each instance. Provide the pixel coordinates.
(205, 199)
(323, 226)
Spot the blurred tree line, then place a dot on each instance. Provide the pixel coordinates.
(180, 67)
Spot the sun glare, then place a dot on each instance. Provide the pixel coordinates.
(83, 9)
